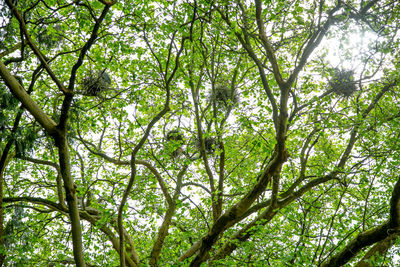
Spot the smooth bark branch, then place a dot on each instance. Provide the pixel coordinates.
(70, 196)
(36, 200)
(12, 49)
(42, 162)
(239, 208)
(163, 230)
(267, 45)
(146, 134)
(148, 165)
(34, 48)
(108, 3)
(377, 250)
(18, 91)
(246, 43)
(372, 236)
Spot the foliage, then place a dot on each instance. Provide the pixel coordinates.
(168, 158)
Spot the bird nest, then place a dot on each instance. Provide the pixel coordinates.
(176, 139)
(95, 84)
(174, 135)
(343, 83)
(210, 145)
(224, 95)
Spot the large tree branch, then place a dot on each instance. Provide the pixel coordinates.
(356, 245)
(18, 91)
(36, 200)
(147, 164)
(163, 230)
(371, 236)
(243, 234)
(146, 134)
(267, 45)
(35, 49)
(377, 250)
(245, 42)
(313, 43)
(83, 214)
(225, 220)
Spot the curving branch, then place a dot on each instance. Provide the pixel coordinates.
(153, 170)
(60, 193)
(246, 43)
(163, 230)
(34, 48)
(267, 45)
(91, 217)
(377, 250)
(36, 200)
(164, 111)
(371, 236)
(19, 92)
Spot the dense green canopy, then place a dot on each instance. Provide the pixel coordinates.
(229, 133)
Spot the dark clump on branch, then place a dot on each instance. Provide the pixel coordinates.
(177, 139)
(177, 152)
(174, 135)
(210, 145)
(343, 83)
(94, 84)
(224, 95)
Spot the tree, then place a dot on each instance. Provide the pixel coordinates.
(190, 132)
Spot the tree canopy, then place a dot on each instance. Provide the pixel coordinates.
(232, 133)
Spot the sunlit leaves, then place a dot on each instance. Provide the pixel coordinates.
(138, 46)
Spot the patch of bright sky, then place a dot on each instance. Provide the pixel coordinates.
(348, 50)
